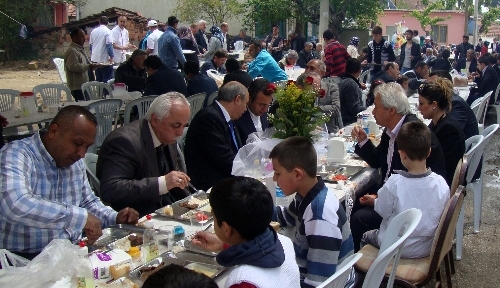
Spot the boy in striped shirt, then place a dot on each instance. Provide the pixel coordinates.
(322, 235)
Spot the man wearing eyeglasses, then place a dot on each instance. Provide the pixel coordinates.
(255, 118)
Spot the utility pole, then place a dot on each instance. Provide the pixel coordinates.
(324, 17)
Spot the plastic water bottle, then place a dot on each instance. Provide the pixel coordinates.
(84, 272)
(150, 245)
(365, 124)
(281, 199)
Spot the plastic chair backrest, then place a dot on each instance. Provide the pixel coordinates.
(496, 92)
(487, 133)
(7, 99)
(363, 77)
(90, 165)
(105, 111)
(459, 176)
(445, 232)
(398, 231)
(196, 102)
(142, 104)
(480, 108)
(59, 62)
(472, 146)
(94, 90)
(52, 93)
(333, 79)
(212, 97)
(339, 279)
(111, 82)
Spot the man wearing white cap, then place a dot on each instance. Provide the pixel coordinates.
(427, 44)
(152, 42)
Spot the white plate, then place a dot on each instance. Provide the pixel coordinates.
(188, 51)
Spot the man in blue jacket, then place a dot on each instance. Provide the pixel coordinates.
(169, 45)
(264, 64)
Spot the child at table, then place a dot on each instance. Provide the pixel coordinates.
(242, 208)
(322, 235)
(418, 188)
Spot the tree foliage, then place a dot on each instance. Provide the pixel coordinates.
(488, 19)
(213, 11)
(343, 13)
(424, 16)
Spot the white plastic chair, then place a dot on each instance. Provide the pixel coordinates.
(473, 155)
(398, 231)
(497, 107)
(333, 79)
(212, 97)
(111, 82)
(105, 111)
(94, 90)
(142, 104)
(52, 93)
(339, 279)
(59, 62)
(7, 99)
(480, 110)
(90, 165)
(196, 102)
(363, 77)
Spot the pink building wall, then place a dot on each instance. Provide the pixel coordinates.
(455, 23)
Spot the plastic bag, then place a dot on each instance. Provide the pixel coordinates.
(459, 79)
(54, 263)
(238, 46)
(219, 78)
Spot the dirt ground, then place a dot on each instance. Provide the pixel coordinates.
(18, 77)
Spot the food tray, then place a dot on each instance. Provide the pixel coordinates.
(332, 170)
(194, 265)
(111, 234)
(196, 249)
(182, 213)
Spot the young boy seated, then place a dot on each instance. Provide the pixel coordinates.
(418, 188)
(322, 235)
(242, 209)
(175, 276)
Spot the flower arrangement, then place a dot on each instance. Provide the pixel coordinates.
(298, 114)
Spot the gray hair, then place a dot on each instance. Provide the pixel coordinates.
(229, 91)
(321, 65)
(202, 22)
(292, 54)
(392, 95)
(162, 105)
(137, 53)
(303, 76)
(429, 49)
(307, 44)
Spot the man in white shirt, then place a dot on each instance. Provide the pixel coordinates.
(261, 93)
(224, 27)
(152, 42)
(101, 48)
(120, 40)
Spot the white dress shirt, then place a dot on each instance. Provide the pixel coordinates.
(256, 121)
(120, 38)
(99, 38)
(162, 182)
(152, 42)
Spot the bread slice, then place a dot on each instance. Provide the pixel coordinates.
(118, 271)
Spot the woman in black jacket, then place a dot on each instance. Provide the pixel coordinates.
(188, 42)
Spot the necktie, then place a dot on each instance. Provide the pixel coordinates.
(231, 128)
(160, 157)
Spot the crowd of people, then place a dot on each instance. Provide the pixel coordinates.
(46, 194)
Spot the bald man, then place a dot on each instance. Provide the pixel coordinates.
(45, 191)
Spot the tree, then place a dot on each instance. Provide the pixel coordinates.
(213, 11)
(488, 19)
(343, 13)
(424, 16)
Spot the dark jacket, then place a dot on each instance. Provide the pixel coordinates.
(128, 170)
(440, 64)
(376, 156)
(200, 40)
(382, 75)
(415, 52)
(351, 102)
(461, 63)
(211, 65)
(246, 127)
(134, 79)
(189, 45)
(452, 140)
(239, 76)
(297, 43)
(209, 149)
(201, 83)
(461, 50)
(464, 115)
(245, 39)
(165, 80)
(305, 57)
(488, 82)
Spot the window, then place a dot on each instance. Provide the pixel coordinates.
(440, 33)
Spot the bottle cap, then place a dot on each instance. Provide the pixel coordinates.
(83, 250)
(148, 223)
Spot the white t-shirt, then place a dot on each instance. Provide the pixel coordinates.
(99, 37)
(152, 42)
(120, 38)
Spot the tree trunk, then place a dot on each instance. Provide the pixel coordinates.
(466, 9)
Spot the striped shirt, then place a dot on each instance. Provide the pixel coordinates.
(379, 53)
(335, 57)
(41, 202)
(322, 234)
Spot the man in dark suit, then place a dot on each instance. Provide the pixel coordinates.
(462, 48)
(162, 79)
(486, 83)
(200, 37)
(255, 118)
(234, 73)
(197, 82)
(212, 140)
(364, 218)
(138, 163)
(307, 54)
(469, 59)
(132, 73)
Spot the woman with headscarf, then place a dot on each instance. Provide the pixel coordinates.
(352, 48)
(215, 43)
(188, 42)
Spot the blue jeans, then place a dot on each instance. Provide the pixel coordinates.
(104, 74)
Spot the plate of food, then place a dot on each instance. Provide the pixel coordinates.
(184, 209)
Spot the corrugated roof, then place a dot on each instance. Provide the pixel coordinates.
(113, 12)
